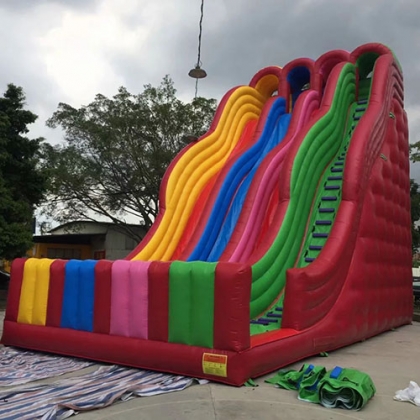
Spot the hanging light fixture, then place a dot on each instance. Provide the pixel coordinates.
(197, 72)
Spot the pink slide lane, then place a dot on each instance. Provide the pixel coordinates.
(269, 180)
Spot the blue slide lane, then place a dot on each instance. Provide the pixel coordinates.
(228, 204)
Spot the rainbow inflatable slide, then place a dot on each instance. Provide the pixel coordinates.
(282, 233)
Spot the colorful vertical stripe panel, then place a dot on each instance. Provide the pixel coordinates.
(79, 292)
(139, 287)
(162, 301)
(120, 296)
(71, 293)
(191, 303)
(158, 301)
(39, 315)
(129, 298)
(26, 302)
(56, 293)
(34, 291)
(102, 309)
(15, 287)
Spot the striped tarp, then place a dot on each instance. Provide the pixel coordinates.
(19, 367)
(97, 389)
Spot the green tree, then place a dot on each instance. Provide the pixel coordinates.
(415, 213)
(22, 182)
(116, 151)
(415, 198)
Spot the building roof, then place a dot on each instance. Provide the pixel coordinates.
(92, 223)
(70, 238)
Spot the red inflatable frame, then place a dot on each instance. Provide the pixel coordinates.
(358, 287)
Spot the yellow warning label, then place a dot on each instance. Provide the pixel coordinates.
(215, 364)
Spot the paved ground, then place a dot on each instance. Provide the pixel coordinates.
(392, 359)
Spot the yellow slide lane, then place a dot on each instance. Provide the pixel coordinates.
(199, 164)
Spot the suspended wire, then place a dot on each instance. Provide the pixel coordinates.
(200, 33)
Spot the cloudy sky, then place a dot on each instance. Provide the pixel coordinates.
(70, 50)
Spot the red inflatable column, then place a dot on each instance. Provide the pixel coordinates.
(232, 294)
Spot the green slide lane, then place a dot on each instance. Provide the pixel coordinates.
(320, 146)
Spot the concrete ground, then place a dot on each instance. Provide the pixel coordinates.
(391, 359)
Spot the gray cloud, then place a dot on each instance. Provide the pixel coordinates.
(18, 5)
(239, 38)
(22, 65)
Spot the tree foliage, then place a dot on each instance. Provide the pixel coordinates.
(415, 198)
(415, 152)
(22, 182)
(415, 213)
(116, 151)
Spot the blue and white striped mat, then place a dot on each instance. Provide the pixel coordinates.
(100, 388)
(19, 367)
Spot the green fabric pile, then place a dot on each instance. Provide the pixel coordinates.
(339, 387)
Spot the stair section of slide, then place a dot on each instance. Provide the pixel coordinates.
(329, 193)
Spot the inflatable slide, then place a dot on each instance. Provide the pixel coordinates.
(283, 232)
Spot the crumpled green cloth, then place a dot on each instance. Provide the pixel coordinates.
(339, 387)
